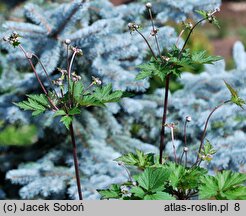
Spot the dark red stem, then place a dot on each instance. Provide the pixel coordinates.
(206, 125)
(164, 118)
(76, 163)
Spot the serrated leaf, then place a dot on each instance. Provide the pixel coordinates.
(176, 173)
(105, 94)
(66, 120)
(238, 193)
(152, 179)
(202, 13)
(74, 111)
(41, 99)
(208, 188)
(128, 159)
(138, 192)
(59, 113)
(113, 192)
(78, 89)
(89, 100)
(36, 103)
(139, 159)
(225, 185)
(159, 196)
(200, 57)
(234, 96)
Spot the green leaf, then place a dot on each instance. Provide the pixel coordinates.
(176, 173)
(202, 13)
(234, 96)
(155, 67)
(208, 188)
(113, 192)
(89, 100)
(191, 179)
(225, 185)
(74, 111)
(139, 159)
(138, 192)
(78, 89)
(41, 99)
(200, 57)
(105, 94)
(36, 103)
(207, 152)
(152, 179)
(66, 120)
(238, 193)
(59, 113)
(159, 196)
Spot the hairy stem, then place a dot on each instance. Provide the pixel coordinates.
(164, 118)
(154, 29)
(76, 163)
(174, 149)
(38, 78)
(206, 125)
(188, 37)
(146, 41)
(46, 73)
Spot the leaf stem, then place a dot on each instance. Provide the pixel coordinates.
(206, 125)
(38, 78)
(46, 73)
(146, 41)
(188, 37)
(154, 31)
(164, 118)
(75, 158)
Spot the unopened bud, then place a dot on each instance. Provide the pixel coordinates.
(120, 163)
(130, 25)
(186, 149)
(96, 80)
(188, 118)
(148, 5)
(29, 55)
(67, 41)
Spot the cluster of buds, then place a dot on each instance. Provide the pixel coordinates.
(58, 82)
(75, 77)
(133, 27)
(185, 149)
(154, 32)
(188, 25)
(207, 157)
(96, 81)
(125, 191)
(171, 125)
(165, 58)
(210, 16)
(188, 118)
(67, 42)
(13, 39)
(77, 50)
(148, 5)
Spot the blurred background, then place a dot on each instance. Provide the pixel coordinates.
(232, 19)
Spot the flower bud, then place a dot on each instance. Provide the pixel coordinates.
(67, 41)
(29, 55)
(188, 118)
(148, 5)
(186, 149)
